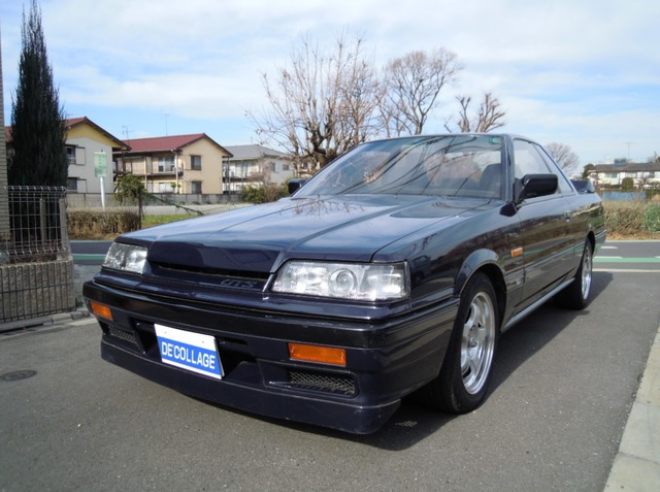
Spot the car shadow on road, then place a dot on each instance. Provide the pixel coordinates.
(414, 422)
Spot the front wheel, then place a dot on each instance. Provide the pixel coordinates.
(463, 381)
(578, 294)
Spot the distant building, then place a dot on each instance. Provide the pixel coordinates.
(190, 164)
(255, 165)
(645, 175)
(84, 139)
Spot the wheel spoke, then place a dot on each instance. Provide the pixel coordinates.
(586, 273)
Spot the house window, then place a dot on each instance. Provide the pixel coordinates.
(165, 187)
(196, 162)
(285, 167)
(165, 164)
(196, 187)
(71, 154)
(72, 184)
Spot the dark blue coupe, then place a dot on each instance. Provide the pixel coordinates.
(393, 270)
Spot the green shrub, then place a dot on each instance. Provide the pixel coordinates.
(84, 224)
(627, 184)
(624, 217)
(130, 189)
(264, 194)
(652, 218)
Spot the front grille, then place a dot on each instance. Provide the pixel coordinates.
(124, 335)
(341, 385)
(227, 279)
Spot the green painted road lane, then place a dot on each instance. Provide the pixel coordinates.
(619, 259)
(88, 257)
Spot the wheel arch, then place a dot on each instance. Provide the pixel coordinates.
(484, 261)
(591, 237)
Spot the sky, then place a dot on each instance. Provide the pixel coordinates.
(582, 73)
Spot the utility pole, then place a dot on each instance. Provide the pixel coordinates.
(629, 144)
(165, 116)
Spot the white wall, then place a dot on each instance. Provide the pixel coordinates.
(83, 169)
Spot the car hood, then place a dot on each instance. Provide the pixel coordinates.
(260, 238)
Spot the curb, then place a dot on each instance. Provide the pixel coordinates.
(637, 465)
(55, 319)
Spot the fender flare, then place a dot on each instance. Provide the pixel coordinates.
(473, 263)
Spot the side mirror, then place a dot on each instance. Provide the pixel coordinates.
(295, 185)
(535, 185)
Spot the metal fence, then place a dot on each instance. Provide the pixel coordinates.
(38, 227)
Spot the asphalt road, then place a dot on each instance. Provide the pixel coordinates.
(563, 386)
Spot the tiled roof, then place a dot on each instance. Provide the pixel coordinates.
(75, 121)
(160, 144)
(70, 123)
(166, 144)
(644, 167)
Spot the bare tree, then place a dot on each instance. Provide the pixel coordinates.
(563, 155)
(323, 105)
(489, 116)
(414, 83)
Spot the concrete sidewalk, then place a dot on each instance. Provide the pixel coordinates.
(637, 465)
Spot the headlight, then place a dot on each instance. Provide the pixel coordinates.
(346, 281)
(126, 257)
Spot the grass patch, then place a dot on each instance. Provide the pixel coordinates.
(154, 220)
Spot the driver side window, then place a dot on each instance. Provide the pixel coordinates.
(527, 160)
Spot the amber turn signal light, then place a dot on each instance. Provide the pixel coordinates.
(315, 353)
(100, 310)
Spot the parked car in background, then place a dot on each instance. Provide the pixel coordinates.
(583, 186)
(393, 270)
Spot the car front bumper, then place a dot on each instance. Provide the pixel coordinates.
(385, 358)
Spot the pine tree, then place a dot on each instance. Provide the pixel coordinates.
(38, 125)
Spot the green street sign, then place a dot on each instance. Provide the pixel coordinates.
(100, 164)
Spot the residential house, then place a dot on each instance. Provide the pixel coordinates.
(255, 165)
(645, 175)
(84, 139)
(190, 164)
(88, 146)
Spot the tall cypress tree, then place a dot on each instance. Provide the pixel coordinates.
(38, 126)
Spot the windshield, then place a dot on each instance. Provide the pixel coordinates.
(448, 165)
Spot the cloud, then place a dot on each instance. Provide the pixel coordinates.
(569, 71)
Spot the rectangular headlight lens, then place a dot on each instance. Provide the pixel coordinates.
(372, 282)
(126, 257)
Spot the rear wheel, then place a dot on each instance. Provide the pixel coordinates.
(577, 295)
(463, 381)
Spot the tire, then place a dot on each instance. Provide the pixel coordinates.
(577, 295)
(466, 371)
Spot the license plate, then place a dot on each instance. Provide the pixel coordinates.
(187, 350)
